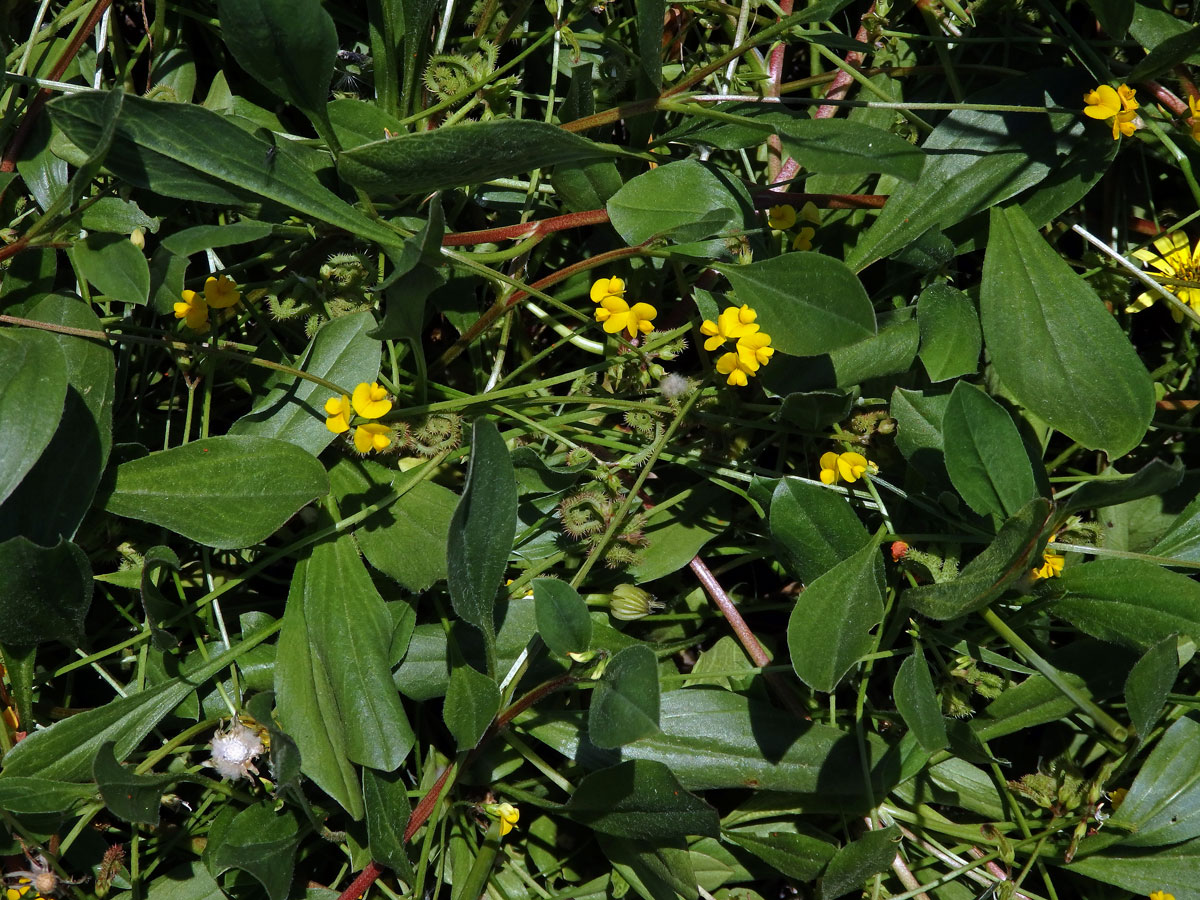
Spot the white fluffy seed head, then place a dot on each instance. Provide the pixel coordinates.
(674, 385)
(234, 750)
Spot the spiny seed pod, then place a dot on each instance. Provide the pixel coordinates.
(629, 603)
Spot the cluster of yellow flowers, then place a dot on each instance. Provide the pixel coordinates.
(847, 467)
(1115, 105)
(752, 346)
(370, 401)
(615, 314)
(220, 292)
(784, 217)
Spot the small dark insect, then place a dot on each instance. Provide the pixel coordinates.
(353, 57)
(271, 151)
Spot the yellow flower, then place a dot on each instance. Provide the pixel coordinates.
(781, 217)
(338, 408)
(194, 311)
(24, 885)
(804, 238)
(370, 401)
(1051, 567)
(1194, 107)
(221, 292)
(607, 287)
(372, 436)
(810, 213)
(617, 315)
(506, 813)
(848, 467)
(737, 371)
(1161, 895)
(1106, 103)
(755, 350)
(732, 324)
(1175, 259)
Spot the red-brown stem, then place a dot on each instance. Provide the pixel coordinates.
(1167, 98)
(365, 879)
(527, 229)
(480, 325)
(766, 199)
(35, 107)
(774, 77)
(14, 248)
(425, 807)
(744, 635)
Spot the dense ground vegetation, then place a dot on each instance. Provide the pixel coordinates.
(546, 450)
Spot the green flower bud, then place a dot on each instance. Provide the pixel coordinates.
(629, 603)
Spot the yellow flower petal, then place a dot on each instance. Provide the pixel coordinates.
(1102, 103)
(781, 217)
(606, 287)
(221, 292)
(372, 436)
(370, 401)
(1126, 94)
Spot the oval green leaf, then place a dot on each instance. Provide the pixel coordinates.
(625, 704)
(685, 201)
(33, 387)
(643, 800)
(562, 616)
(472, 701)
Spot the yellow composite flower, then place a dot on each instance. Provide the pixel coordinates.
(1161, 895)
(847, 467)
(193, 310)
(338, 420)
(732, 324)
(616, 315)
(221, 292)
(607, 287)
(781, 217)
(372, 436)
(370, 400)
(1051, 567)
(1115, 104)
(1175, 258)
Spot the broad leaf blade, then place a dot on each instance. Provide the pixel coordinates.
(625, 704)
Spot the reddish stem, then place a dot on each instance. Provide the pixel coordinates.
(525, 230)
(774, 77)
(35, 107)
(365, 879)
(1167, 98)
(768, 198)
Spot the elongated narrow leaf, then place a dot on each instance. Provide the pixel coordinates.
(307, 705)
(33, 387)
(481, 531)
(984, 454)
(462, 154)
(830, 625)
(289, 46)
(808, 303)
(388, 809)
(225, 492)
(918, 703)
(292, 409)
(1163, 803)
(1054, 344)
(156, 147)
(350, 631)
(1149, 682)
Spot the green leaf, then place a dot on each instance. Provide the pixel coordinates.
(357, 122)
(481, 531)
(918, 703)
(1114, 16)
(134, 798)
(1156, 477)
(307, 705)
(65, 750)
(784, 847)
(659, 871)
(1149, 682)
(562, 616)
(388, 809)
(830, 626)
(713, 738)
(32, 796)
(856, 862)
(463, 154)
(1055, 346)
(985, 456)
(586, 186)
(33, 387)
(472, 701)
(950, 337)
(808, 303)
(1182, 539)
(190, 881)
(650, 15)
(673, 541)
(57, 492)
(1163, 803)
(977, 159)
(156, 606)
(293, 409)
(1175, 869)
(224, 492)
(405, 540)
(199, 238)
(814, 528)
(1128, 601)
(115, 267)
(919, 416)
(288, 46)
(258, 841)
(350, 632)
(685, 201)
(155, 147)
(641, 800)
(1167, 55)
(1006, 560)
(45, 592)
(625, 704)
